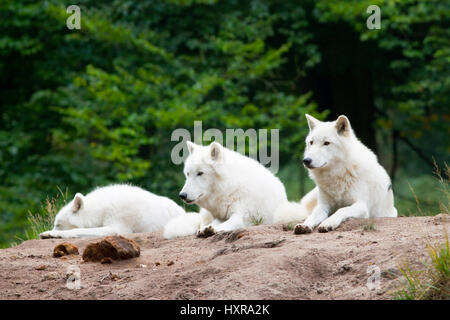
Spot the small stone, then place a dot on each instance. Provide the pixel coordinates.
(390, 273)
(64, 249)
(41, 267)
(51, 276)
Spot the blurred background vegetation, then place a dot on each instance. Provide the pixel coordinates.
(83, 108)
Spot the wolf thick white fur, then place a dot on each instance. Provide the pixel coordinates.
(350, 183)
(113, 210)
(232, 190)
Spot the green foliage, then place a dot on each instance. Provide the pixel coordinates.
(436, 189)
(43, 219)
(413, 90)
(369, 226)
(433, 280)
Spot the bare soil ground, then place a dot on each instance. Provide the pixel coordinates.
(261, 262)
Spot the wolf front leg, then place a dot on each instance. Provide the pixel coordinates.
(236, 221)
(319, 214)
(84, 232)
(358, 210)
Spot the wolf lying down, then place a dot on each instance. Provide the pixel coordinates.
(234, 191)
(350, 183)
(115, 209)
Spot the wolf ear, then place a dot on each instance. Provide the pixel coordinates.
(77, 202)
(215, 149)
(312, 122)
(191, 146)
(343, 125)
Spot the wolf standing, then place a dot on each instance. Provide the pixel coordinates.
(350, 183)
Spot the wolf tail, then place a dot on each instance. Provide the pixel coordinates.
(186, 224)
(290, 212)
(296, 212)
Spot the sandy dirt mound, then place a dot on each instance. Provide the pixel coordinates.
(261, 262)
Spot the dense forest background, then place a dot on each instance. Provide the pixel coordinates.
(83, 108)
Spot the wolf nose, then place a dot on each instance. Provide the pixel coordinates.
(307, 161)
(183, 195)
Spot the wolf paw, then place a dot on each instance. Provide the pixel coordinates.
(329, 224)
(302, 229)
(324, 229)
(49, 235)
(206, 232)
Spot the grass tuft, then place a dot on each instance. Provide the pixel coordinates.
(432, 282)
(289, 226)
(369, 226)
(43, 219)
(256, 220)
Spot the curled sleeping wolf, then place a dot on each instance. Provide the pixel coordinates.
(232, 190)
(350, 183)
(111, 210)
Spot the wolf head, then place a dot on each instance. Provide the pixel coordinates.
(325, 143)
(200, 171)
(70, 216)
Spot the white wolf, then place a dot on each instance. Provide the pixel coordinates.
(350, 183)
(232, 190)
(112, 210)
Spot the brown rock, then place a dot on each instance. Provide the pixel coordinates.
(64, 249)
(113, 247)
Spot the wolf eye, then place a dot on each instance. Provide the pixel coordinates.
(326, 143)
(311, 142)
(200, 173)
